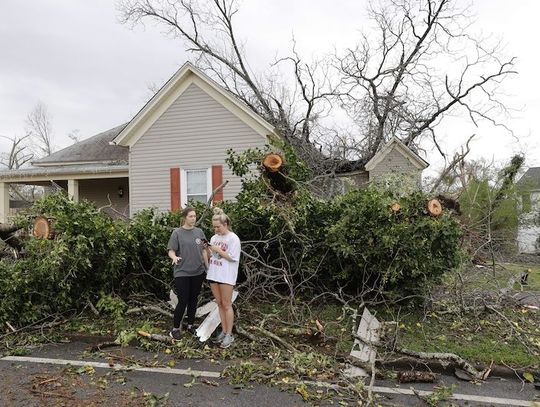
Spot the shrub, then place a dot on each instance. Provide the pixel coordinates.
(294, 244)
(404, 253)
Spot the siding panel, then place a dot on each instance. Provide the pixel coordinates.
(395, 162)
(195, 132)
(101, 190)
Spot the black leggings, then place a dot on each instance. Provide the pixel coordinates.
(187, 289)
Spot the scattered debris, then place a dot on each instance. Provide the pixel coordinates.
(354, 371)
(367, 333)
(156, 337)
(416, 376)
(463, 375)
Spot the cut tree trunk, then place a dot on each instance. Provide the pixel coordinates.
(43, 227)
(434, 207)
(396, 207)
(273, 162)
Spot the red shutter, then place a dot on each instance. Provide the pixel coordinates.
(217, 179)
(175, 189)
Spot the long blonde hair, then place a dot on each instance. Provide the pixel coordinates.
(220, 216)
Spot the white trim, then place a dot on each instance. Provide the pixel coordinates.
(183, 183)
(4, 202)
(64, 176)
(188, 74)
(73, 189)
(208, 182)
(414, 158)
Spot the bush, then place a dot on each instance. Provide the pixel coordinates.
(353, 239)
(294, 244)
(404, 253)
(92, 256)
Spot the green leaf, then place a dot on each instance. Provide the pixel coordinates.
(528, 376)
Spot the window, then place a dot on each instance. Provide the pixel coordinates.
(196, 185)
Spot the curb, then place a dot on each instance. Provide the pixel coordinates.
(408, 363)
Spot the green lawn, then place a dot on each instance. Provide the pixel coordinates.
(485, 278)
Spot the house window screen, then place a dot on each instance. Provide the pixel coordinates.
(196, 185)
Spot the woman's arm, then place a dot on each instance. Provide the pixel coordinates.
(205, 257)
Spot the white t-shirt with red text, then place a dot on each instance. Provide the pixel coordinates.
(220, 269)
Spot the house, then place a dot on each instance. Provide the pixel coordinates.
(173, 150)
(529, 223)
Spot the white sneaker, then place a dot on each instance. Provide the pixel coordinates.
(227, 341)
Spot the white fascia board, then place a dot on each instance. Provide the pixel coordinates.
(65, 176)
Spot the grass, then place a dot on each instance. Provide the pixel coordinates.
(485, 278)
(484, 336)
(485, 339)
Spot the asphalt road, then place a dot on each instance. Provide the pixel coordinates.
(25, 382)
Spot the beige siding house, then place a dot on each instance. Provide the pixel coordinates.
(178, 142)
(173, 150)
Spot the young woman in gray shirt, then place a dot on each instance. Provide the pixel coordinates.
(190, 261)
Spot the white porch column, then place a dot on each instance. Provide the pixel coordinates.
(73, 189)
(4, 202)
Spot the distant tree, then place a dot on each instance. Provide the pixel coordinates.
(39, 127)
(490, 205)
(18, 154)
(395, 84)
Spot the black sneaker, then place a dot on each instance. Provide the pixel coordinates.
(175, 334)
(192, 329)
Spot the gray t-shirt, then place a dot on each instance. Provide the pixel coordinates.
(187, 244)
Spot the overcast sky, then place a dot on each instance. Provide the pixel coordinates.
(93, 73)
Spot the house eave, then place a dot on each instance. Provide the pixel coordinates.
(40, 174)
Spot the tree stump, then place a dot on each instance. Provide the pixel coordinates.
(434, 207)
(43, 227)
(273, 162)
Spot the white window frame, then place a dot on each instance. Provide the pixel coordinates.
(183, 183)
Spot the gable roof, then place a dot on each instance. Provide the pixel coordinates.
(94, 149)
(188, 74)
(414, 158)
(531, 178)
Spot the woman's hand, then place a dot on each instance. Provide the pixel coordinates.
(175, 260)
(214, 248)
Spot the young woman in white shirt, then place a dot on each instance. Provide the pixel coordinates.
(224, 250)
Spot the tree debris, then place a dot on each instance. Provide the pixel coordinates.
(416, 376)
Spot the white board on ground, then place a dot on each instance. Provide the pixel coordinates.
(211, 322)
(205, 309)
(368, 331)
(353, 371)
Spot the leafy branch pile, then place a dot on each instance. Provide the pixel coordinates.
(294, 245)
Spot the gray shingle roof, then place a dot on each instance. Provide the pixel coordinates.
(531, 178)
(96, 148)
